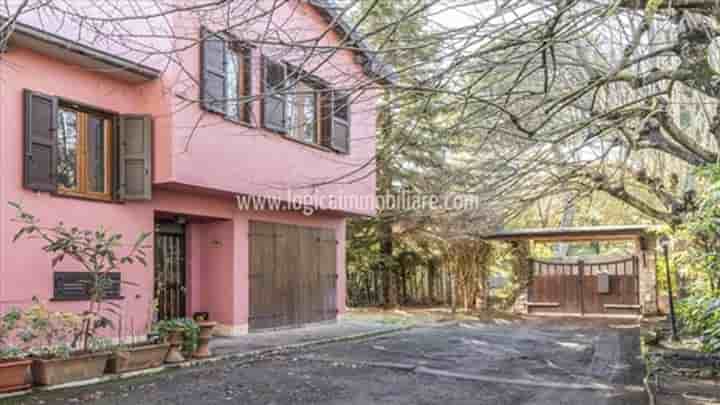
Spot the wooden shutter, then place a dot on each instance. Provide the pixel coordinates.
(335, 121)
(274, 99)
(40, 145)
(247, 91)
(135, 157)
(212, 81)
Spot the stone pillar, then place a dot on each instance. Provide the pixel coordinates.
(646, 251)
(521, 275)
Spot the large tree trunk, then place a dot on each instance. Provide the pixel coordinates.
(389, 277)
(432, 276)
(376, 280)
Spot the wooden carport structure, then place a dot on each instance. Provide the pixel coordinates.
(595, 286)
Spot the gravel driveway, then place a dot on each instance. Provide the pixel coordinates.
(528, 362)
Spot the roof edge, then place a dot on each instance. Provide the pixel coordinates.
(371, 63)
(24, 34)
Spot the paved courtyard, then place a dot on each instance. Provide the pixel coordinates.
(523, 362)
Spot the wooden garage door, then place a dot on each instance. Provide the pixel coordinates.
(293, 275)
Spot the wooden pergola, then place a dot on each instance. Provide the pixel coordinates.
(565, 287)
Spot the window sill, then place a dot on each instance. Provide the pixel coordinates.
(60, 299)
(304, 143)
(86, 197)
(238, 122)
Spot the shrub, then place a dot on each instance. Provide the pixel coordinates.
(96, 251)
(700, 316)
(14, 340)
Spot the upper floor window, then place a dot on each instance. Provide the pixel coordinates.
(304, 108)
(80, 151)
(294, 103)
(226, 82)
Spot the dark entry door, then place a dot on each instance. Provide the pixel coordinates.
(170, 274)
(293, 275)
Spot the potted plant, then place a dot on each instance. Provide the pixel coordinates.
(14, 365)
(58, 360)
(73, 349)
(182, 334)
(137, 355)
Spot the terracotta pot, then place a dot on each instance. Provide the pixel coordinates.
(138, 357)
(204, 335)
(75, 368)
(14, 375)
(175, 339)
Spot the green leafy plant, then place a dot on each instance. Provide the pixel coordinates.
(700, 316)
(11, 353)
(96, 251)
(55, 331)
(14, 340)
(189, 328)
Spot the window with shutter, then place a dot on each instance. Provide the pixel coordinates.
(40, 144)
(135, 157)
(75, 150)
(226, 80)
(304, 108)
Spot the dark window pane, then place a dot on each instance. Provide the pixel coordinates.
(274, 112)
(96, 154)
(67, 141)
(275, 75)
(342, 108)
(214, 91)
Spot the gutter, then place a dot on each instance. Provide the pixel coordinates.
(21, 31)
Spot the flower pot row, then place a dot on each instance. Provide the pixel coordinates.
(15, 374)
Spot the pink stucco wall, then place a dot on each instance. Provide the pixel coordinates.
(222, 159)
(276, 164)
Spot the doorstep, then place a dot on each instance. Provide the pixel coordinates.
(240, 349)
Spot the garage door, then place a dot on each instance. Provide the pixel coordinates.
(293, 276)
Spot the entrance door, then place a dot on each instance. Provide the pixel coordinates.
(170, 274)
(293, 275)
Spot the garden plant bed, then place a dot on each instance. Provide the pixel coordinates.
(138, 357)
(77, 367)
(14, 375)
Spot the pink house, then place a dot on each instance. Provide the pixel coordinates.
(193, 140)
